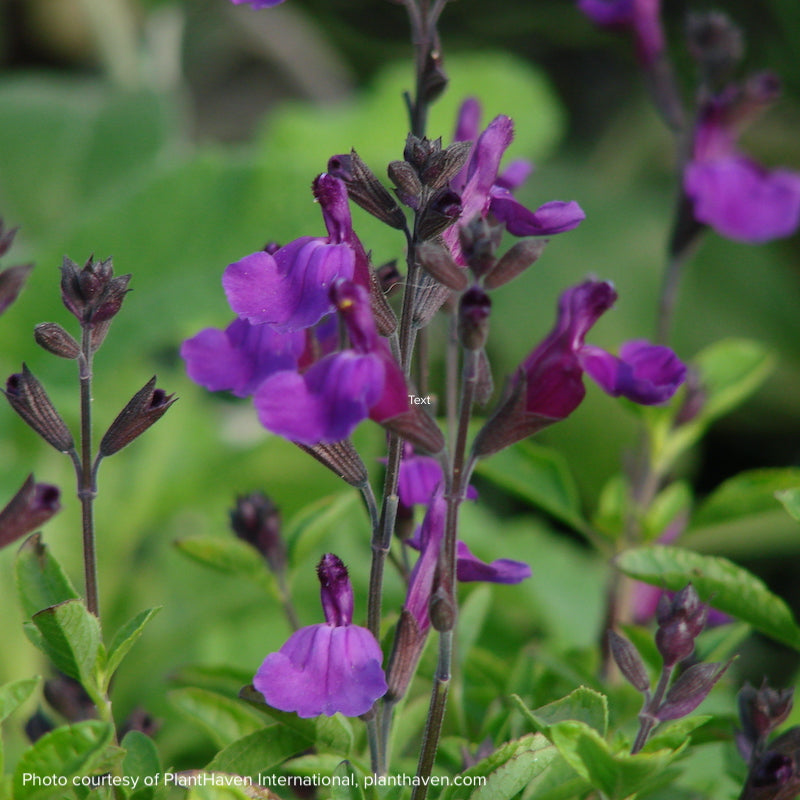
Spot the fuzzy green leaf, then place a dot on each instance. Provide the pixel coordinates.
(141, 760)
(584, 704)
(259, 752)
(223, 718)
(65, 752)
(40, 580)
(729, 587)
(125, 638)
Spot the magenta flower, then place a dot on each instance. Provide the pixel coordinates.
(549, 384)
(290, 289)
(730, 192)
(484, 192)
(419, 478)
(239, 358)
(642, 17)
(327, 668)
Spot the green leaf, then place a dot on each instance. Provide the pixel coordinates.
(612, 507)
(230, 556)
(258, 753)
(748, 493)
(507, 771)
(617, 775)
(65, 752)
(71, 638)
(728, 587)
(584, 704)
(223, 718)
(674, 735)
(329, 734)
(670, 505)
(540, 476)
(729, 371)
(141, 761)
(40, 580)
(124, 639)
(791, 501)
(14, 694)
(304, 530)
(348, 783)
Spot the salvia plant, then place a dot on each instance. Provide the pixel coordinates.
(384, 692)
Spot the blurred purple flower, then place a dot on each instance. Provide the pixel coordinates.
(483, 191)
(290, 289)
(730, 192)
(642, 17)
(327, 668)
(258, 3)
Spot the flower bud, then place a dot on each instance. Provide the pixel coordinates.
(680, 621)
(145, 408)
(434, 79)
(336, 591)
(473, 318)
(11, 282)
(53, 338)
(408, 186)
(442, 166)
(37, 726)
(479, 241)
(340, 457)
(443, 209)
(417, 151)
(715, 43)
(389, 277)
(92, 293)
(629, 661)
(29, 399)
(30, 508)
(762, 710)
(690, 690)
(442, 610)
(437, 262)
(515, 261)
(257, 520)
(66, 696)
(364, 189)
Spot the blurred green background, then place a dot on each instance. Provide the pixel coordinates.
(179, 136)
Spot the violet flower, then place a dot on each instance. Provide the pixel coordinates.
(325, 403)
(549, 384)
(730, 192)
(483, 191)
(239, 358)
(331, 667)
(419, 477)
(290, 289)
(642, 17)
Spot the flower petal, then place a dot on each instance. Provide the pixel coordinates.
(557, 216)
(502, 570)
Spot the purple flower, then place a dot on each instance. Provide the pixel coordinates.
(327, 668)
(645, 373)
(258, 3)
(639, 16)
(502, 570)
(419, 478)
(239, 358)
(325, 403)
(549, 386)
(290, 289)
(729, 191)
(483, 191)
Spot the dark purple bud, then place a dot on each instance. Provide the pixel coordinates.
(443, 609)
(27, 510)
(474, 309)
(11, 282)
(443, 209)
(336, 592)
(629, 661)
(389, 277)
(409, 642)
(340, 457)
(271, 248)
(437, 262)
(715, 43)
(691, 688)
(66, 696)
(364, 189)
(408, 186)
(257, 520)
(417, 427)
(417, 150)
(444, 165)
(479, 242)
(763, 710)
(53, 338)
(384, 316)
(772, 769)
(514, 262)
(37, 726)
(434, 79)
(680, 620)
(142, 721)
(144, 409)
(29, 399)
(92, 293)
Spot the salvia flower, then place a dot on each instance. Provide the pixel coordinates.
(730, 192)
(327, 668)
(548, 386)
(290, 288)
(484, 191)
(256, 4)
(640, 17)
(92, 293)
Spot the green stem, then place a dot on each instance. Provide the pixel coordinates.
(87, 489)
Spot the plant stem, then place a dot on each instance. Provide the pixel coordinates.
(647, 716)
(87, 488)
